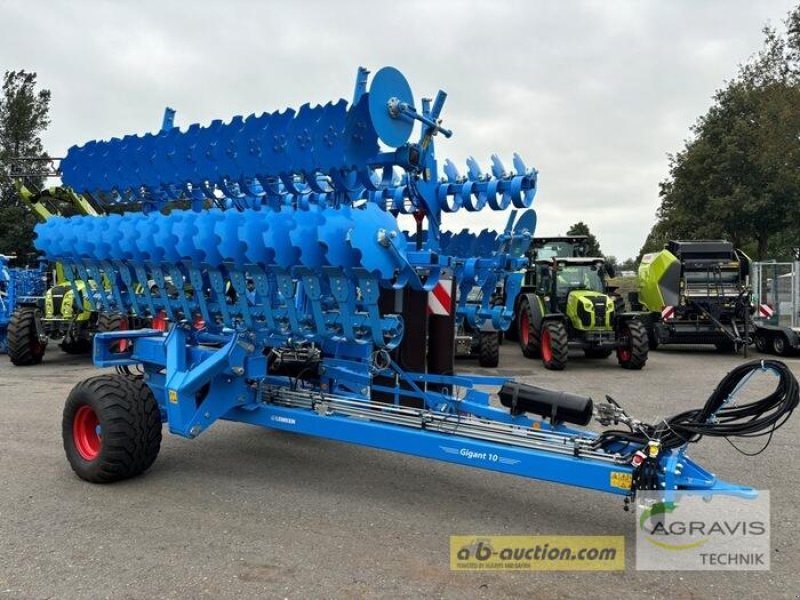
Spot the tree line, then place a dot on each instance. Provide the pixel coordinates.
(24, 115)
(738, 175)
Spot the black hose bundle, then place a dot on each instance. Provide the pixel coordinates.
(722, 415)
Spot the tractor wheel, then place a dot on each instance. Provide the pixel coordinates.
(726, 347)
(762, 343)
(595, 353)
(24, 346)
(633, 346)
(779, 345)
(527, 335)
(489, 349)
(114, 322)
(554, 345)
(111, 428)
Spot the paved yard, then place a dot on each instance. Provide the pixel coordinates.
(245, 512)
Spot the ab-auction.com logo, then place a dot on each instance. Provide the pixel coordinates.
(482, 550)
(537, 553)
(694, 532)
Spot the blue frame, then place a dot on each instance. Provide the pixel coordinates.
(196, 385)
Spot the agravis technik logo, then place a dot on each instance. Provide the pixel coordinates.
(690, 531)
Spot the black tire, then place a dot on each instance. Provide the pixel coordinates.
(780, 345)
(24, 346)
(554, 345)
(114, 322)
(512, 333)
(761, 342)
(527, 333)
(596, 353)
(652, 338)
(633, 346)
(124, 409)
(489, 342)
(725, 347)
(111, 322)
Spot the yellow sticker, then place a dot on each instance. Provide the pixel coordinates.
(173, 396)
(621, 480)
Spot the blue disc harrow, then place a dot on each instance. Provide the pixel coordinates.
(271, 243)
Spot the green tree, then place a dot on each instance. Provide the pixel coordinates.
(737, 176)
(24, 115)
(581, 228)
(655, 240)
(629, 264)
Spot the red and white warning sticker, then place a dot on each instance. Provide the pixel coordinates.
(439, 299)
(765, 311)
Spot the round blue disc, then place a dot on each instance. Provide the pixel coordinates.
(390, 83)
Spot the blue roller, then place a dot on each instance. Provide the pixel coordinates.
(293, 244)
(301, 203)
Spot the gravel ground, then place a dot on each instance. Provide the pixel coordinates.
(244, 512)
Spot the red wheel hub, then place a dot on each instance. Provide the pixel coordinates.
(547, 348)
(624, 351)
(159, 322)
(123, 326)
(524, 327)
(86, 433)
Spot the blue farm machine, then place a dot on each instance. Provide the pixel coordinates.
(62, 312)
(17, 286)
(481, 342)
(296, 302)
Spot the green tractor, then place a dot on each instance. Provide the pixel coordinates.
(565, 304)
(57, 315)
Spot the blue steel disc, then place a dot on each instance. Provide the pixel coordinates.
(390, 83)
(334, 235)
(485, 243)
(276, 238)
(377, 257)
(305, 236)
(360, 139)
(526, 222)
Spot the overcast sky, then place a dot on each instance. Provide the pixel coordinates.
(593, 94)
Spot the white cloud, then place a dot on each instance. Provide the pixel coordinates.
(594, 94)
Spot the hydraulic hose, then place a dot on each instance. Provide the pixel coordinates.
(722, 415)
